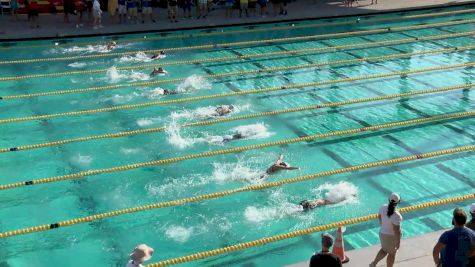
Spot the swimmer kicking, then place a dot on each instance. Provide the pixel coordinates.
(159, 55)
(157, 71)
(224, 110)
(279, 165)
(319, 202)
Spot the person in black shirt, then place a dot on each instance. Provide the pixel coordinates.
(325, 258)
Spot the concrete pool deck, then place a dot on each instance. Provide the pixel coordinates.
(53, 26)
(415, 251)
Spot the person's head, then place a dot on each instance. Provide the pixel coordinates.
(160, 69)
(231, 107)
(162, 52)
(394, 199)
(327, 241)
(460, 217)
(472, 210)
(141, 253)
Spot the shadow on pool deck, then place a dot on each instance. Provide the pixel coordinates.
(52, 26)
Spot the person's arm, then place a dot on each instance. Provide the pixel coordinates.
(397, 232)
(436, 252)
(279, 160)
(291, 168)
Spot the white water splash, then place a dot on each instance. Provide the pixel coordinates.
(129, 151)
(238, 171)
(77, 65)
(342, 192)
(279, 208)
(81, 160)
(179, 234)
(143, 122)
(138, 57)
(192, 83)
(115, 76)
(203, 113)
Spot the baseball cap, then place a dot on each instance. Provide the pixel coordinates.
(395, 197)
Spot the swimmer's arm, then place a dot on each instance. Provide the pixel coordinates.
(291, 168)
(279, 160)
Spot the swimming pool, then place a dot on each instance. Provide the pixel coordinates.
(346, 59)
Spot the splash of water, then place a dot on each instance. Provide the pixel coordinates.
(279, 208)
(114, 76)
(252, 131)
(138, 57)
(81, 160)
(224, 172)
(192, 83)
(77, 65)
(178, 233)
(342, 192)
(129, 151)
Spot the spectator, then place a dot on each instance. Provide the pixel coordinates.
(284, 7)
(229, 8)
(97, 14)
(390, 232)
(276, 6)
(68, 8)
(132, 10)
(471, 226)
(202, 8)
(243, 4)
(172, 10)
(14, 8)
(455, 245)
(147, 9)
(32, 6)
(140, 254)
(90, 3)
(122, 11)
(186, 6)
(111, 7)
(263, 6)
(80, 8)
(325, 258)
(252, 7)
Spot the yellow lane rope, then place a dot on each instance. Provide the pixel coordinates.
(244, 43)
(226, 151)
(234, 118)
(237, 73)
(239, 57)
(181, 100)
(314, 229)
(277, 28)
(178, 202)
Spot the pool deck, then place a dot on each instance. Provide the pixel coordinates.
(53, 26)
(414, 251)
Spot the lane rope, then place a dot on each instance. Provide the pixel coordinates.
(181, 100)
(275, 238)
(138, 165)
(215, 195)
(277, 28)
(237, 73)
(243, 43)
(239, 57)
(234, 118)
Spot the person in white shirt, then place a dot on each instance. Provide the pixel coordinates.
(140, 254)
(390, 233)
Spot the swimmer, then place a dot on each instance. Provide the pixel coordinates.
(224, 110)
(311, 204)
(279, 165)
(168, 92)
(111, 45)
(159, 55)
(158, 71)
(228, 138)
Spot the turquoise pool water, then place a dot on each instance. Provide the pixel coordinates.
(183, 230)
